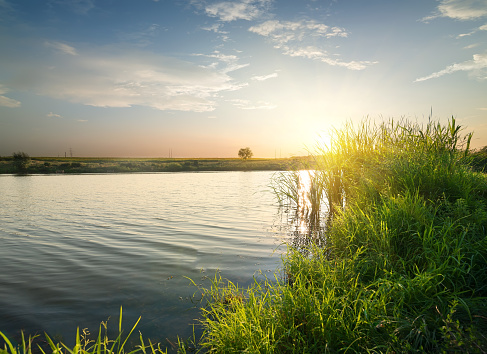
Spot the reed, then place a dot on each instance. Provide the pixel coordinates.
(403, 265)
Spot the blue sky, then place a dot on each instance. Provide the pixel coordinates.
(138, 78)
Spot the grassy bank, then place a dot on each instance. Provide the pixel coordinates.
(52, 165)
(402, 258)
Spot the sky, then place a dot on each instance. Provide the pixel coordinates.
(204, 78)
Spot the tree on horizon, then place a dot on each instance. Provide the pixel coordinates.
(245, 153)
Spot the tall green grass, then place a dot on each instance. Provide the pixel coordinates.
(85, 343)
(404, 264)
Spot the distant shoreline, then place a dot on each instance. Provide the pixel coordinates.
(78, 165)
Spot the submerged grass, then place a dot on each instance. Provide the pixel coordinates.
(403, 265)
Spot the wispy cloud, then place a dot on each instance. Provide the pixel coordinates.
(144, 36)
(218, 29)
(265, 77)
(128, 77)
(476, 67)
(471, 46)
(53, 115)
(314, 53)
(481, 28)
(5, 7)
(61, 47)
(290, 37)
(228, 11)
(282, 32)
(80, 7)
(7, 102)
(248, 105)
(227, 62)
(460, 9)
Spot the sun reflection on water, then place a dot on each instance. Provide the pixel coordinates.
(305, 207)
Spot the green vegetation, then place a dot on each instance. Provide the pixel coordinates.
(479, 160)
(85, 344)
(20, 162)
(401, 261)
(52, 165)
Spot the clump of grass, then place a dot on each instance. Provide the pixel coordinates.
(403, 265)
(85, 344)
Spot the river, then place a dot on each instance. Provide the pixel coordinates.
(74, 248)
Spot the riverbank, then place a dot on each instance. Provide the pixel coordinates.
(53, 165)
(399, 267)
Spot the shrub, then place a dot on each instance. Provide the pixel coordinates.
(21, 161)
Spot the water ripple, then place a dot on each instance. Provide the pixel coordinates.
(76, 248)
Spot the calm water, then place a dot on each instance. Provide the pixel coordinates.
(74, 248)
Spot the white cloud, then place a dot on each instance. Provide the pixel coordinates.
(265, 77)
(237, 10)
(314, 53)
(7, 102)
(282, 32)
(125, 78)
(53, 115)
(248, 105)
(61, 47)
(289, 37)
(476, 67)
(481, 28)
(460, 9)
(216, 27)
(229, 62)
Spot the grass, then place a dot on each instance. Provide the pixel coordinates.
(85, 343)
(402, 266)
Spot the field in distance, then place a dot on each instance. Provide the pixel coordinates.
(48, 165)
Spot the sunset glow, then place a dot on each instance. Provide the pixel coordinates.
(198, 78)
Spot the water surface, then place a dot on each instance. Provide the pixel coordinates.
(74, 248)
